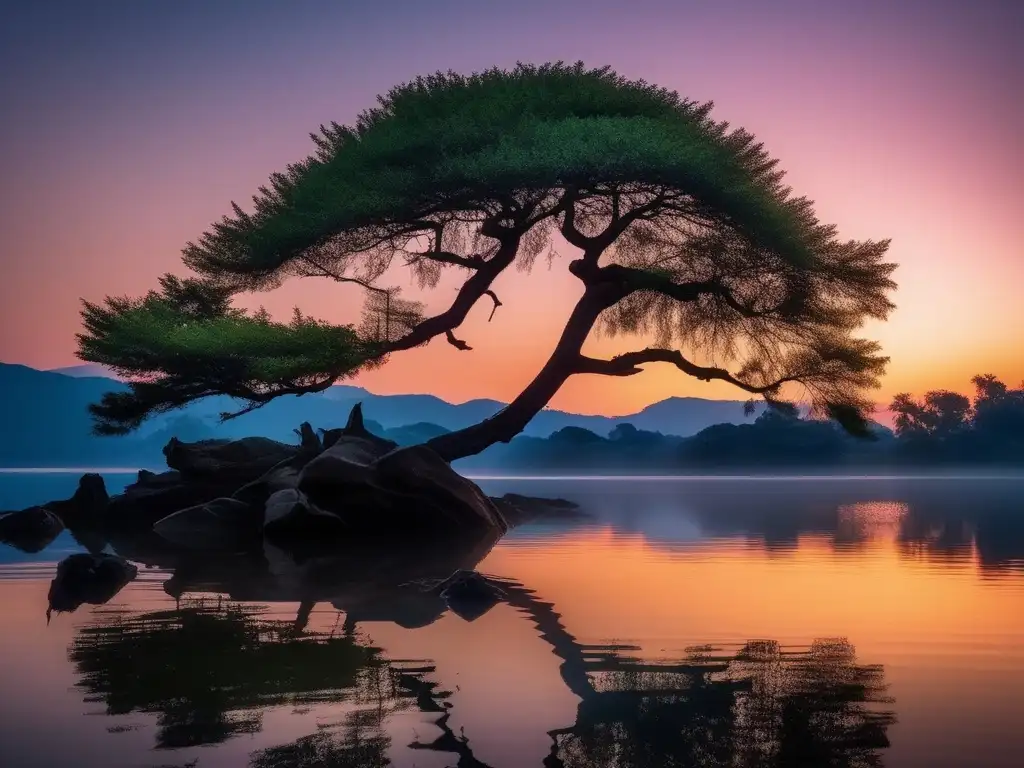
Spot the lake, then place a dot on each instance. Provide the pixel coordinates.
(703, 622)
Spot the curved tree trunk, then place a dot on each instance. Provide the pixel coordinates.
(563, 363)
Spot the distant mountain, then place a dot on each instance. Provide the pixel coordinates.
(46, 422)
(86, 370)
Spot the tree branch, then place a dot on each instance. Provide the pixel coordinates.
(475, 287)
(642, 280)
(568, 229)
(628, 365)
(473, 261)
(497, 303)
(594, 245)
(457, 343)
(325, 272)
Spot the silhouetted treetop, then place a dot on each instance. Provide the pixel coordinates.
(684, 229)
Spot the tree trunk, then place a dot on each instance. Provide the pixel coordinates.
(513, 418)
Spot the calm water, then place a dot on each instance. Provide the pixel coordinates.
(688, 622)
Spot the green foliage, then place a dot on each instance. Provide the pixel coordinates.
(446, 148)
(686, 230)
(186, 343)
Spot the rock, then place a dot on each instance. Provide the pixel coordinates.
(154, 497)
(469, 594)
(330, 436)
(221, 524)
(30, 530)
(289, 515)
(518, 509)
(240, 460)
(432, 495)
(405, 491)
(86, 508)
(356, 427)
(281, 477)
(85, 578)
(92, 492)
(346, 462)
(308, 440)
(34, 528)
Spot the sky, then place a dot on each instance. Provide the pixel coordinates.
(130, 127)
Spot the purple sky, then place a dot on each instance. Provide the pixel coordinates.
(130, 126)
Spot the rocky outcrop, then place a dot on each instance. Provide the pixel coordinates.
(86, 507)
(240, 460)
(345, 463)
(290, 516)
(350, 486)
(86, 578)
(30, 530)
(155, 496)
(222, 524)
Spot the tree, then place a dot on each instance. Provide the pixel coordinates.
(998, 412)
(939, 415)
(683, 226)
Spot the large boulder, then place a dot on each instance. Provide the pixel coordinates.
(222, 524)
(402, 492)
(346, 462)
(87, 578)
(289, 515)
(240, 460)
(155, 496)
(430, 493)
(30, 530)
(281, 477)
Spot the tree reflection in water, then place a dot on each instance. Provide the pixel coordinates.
(762, 706)
(210, 668)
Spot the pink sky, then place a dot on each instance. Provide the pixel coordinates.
(135, 128)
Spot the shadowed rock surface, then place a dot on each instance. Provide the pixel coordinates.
(30, 530)
(153, 497)
(290, 516)
(86, 578)
(220, 524)
(242, 460)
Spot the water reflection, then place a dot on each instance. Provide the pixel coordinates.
(937, 520)
(592, 658)
(763, 705)
(210, 667)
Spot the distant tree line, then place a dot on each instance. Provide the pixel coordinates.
(942, 428)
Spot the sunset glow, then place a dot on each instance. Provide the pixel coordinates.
(136, 125)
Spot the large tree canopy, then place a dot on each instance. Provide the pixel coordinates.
(684, 229)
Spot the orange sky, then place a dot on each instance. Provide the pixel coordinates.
(135, 131)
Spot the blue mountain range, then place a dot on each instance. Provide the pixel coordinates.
(45, 421)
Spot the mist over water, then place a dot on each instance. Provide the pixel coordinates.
(696, 621)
